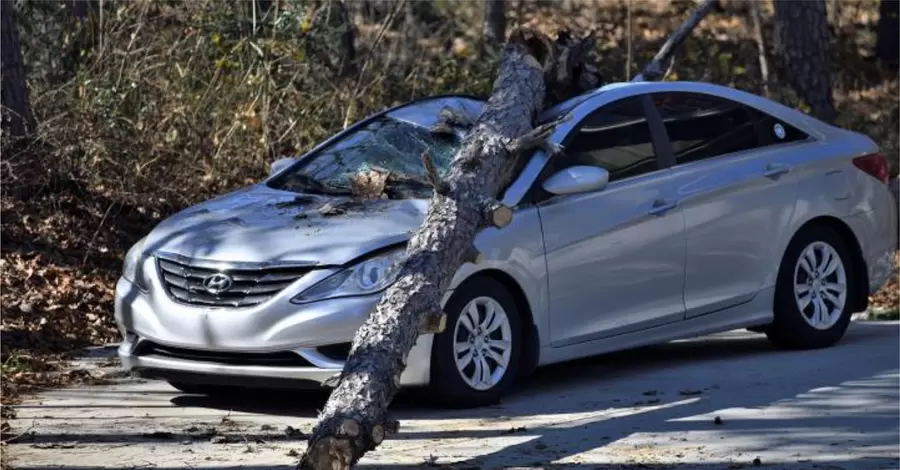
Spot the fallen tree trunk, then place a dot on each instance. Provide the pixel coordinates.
(534, 73)
(355, 418)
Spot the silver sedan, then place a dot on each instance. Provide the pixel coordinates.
(677, 209)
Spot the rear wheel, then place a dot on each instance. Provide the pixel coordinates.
(476, 359)
(813, 294)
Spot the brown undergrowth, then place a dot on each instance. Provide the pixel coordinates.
(183, 101)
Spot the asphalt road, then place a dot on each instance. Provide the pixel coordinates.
(651, 408)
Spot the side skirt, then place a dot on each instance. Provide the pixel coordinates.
(757, 312)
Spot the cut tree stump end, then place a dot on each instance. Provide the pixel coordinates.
(433, 323)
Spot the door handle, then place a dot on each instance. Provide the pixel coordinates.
(774, 170)
(661, 206)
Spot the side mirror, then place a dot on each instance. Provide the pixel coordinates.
(281, 164)
(577, 179)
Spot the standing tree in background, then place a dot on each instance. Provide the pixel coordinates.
(887, 42)
(801, 39)
(332, 38)
(16, 113)
(494, 25)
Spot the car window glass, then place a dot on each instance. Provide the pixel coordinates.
(616, 138)
(772, 130)
(386, 144)
(704, 126)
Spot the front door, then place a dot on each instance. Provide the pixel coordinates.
(615, 257)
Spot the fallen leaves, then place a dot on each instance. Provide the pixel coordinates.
(888, 297)
(369, 184)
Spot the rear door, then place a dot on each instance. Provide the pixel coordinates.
(736, 191)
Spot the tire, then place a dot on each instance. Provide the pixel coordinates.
(448, 387)
(792, 327)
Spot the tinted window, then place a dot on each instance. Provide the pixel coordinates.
(616, 138)
(702, 126)
(773, 131)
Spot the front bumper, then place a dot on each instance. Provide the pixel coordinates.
(218, 345)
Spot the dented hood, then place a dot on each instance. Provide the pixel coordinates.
(259, 224)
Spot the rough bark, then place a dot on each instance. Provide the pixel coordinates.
(887, 40)
(355, 418)
(494, 25)
(801, 32)
(17, 119)
(756, 19)
(654, 70)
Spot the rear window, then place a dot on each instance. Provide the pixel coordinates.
(701, 126)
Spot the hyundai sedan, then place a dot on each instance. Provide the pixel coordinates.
(675, 209)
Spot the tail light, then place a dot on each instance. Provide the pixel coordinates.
(874, 164)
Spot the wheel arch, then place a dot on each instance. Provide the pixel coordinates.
(860, 297)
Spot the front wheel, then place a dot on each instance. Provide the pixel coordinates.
(813, 294)
(476, 359)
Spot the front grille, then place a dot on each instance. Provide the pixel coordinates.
(268, 359)
(184, 283)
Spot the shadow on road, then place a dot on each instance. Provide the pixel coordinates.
(796, 405)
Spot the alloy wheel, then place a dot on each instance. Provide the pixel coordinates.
(820, 285)
(482, 343)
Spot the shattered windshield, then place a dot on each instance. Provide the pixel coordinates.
(385, 145)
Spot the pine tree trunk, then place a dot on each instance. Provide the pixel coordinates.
(17, 119)
(756, 19)
(887, 41)
(332, 38)
(801, 31)
(355, 419)
(494, 25)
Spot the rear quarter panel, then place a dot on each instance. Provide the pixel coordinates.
(830, 185)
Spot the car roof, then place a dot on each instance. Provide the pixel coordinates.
(790, 115)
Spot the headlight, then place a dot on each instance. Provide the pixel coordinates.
(368, 277)
(133, 262)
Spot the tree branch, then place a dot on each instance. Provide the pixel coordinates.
(653, 70)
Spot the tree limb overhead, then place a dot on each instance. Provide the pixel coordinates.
(654, 70)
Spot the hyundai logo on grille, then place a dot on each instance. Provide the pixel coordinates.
(217, 283)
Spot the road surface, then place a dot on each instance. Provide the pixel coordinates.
(651, 408)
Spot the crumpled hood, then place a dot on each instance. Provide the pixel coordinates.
(259, 224)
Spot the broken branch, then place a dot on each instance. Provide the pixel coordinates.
(653, 70)
(431, 173)
(432, 323)
(537, 138)
(450, 118)
(496, 213)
